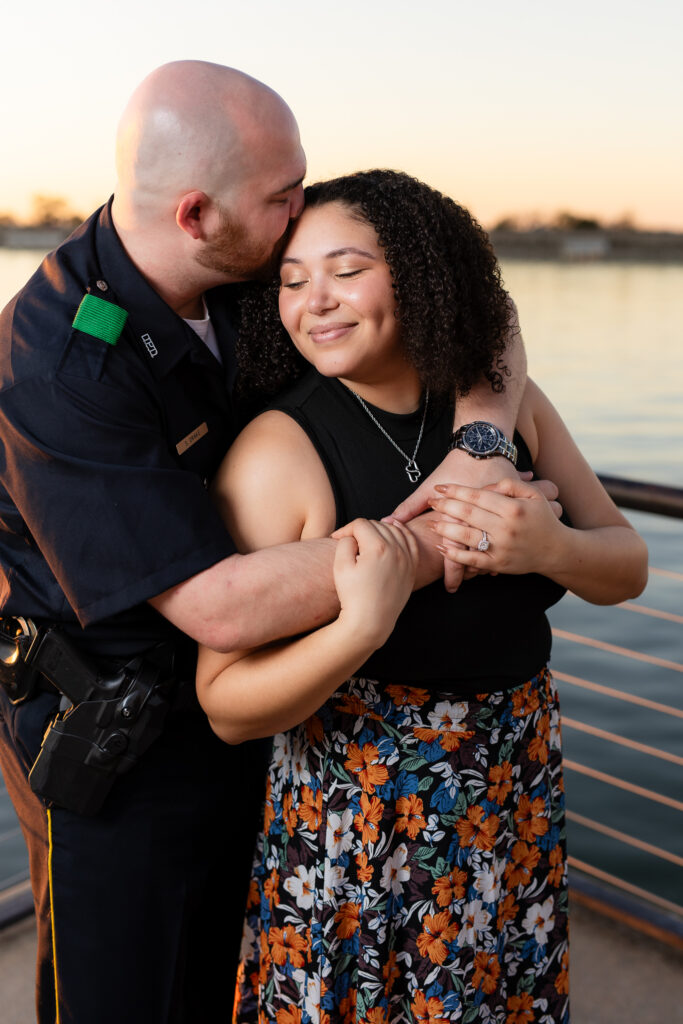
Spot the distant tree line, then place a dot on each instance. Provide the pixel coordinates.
(564, 220)
(46, 212)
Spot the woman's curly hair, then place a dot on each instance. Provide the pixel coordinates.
(453, 311)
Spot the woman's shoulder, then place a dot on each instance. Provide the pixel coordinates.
(272, 486)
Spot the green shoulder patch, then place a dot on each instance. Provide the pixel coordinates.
(100, 318)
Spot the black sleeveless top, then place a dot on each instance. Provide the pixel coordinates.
(492, 634)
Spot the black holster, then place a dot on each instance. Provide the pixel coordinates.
(105, 723)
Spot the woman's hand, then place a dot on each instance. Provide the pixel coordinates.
(374, 573)
(521, 526)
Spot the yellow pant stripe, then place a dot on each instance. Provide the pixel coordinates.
(52, 912)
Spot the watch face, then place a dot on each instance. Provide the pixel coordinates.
(481, 438)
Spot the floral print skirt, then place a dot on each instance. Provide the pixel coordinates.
(412, 863)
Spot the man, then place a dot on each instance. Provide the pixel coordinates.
(116, 367)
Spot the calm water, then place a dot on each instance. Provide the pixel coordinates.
(605, 341)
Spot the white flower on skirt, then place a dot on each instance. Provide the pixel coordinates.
(487, 881)
(474, 921)
(300, 885)
(447, 715)
(395, 872)
(339, 835)
(540, 920)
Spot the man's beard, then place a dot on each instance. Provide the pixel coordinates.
(232, 252)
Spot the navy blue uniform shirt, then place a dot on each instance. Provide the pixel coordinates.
(105, 450)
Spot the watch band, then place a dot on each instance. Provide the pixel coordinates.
(499, 445)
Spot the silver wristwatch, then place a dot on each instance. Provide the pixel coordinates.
(483, 440)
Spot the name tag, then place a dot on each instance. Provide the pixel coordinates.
(192, 438)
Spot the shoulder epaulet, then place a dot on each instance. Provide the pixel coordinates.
(100, 319)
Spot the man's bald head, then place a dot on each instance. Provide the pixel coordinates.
(193, 125)
(209, 167)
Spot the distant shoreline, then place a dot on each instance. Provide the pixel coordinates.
(586, 245)
(589, 245)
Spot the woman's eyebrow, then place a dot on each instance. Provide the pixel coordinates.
(334, 254)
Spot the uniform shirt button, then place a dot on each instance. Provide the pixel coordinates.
(103, 286)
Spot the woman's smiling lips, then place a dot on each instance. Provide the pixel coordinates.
(329, 332)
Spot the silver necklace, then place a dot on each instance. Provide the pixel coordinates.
(412, 469)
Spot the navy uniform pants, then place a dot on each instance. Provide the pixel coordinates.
(139, 909)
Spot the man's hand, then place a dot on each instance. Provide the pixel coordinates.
(461, 467)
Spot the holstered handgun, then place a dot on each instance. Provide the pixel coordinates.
(105, 722)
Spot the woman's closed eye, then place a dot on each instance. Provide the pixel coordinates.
(350, 273)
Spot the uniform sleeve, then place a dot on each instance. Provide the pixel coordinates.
(113, 514)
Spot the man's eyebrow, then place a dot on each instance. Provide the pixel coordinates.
(334, 254)
(288, 188)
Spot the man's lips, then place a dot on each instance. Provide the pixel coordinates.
(329, 332)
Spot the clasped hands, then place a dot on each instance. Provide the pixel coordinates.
(520, 518)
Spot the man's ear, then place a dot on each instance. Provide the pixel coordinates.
(191, 214)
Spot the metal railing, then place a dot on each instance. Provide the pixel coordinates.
(604, 877)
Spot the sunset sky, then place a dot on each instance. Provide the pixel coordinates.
(522, 107)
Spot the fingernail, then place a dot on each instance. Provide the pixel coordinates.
(442, 488)
(442, 549)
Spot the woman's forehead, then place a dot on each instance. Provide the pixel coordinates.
(333, 225)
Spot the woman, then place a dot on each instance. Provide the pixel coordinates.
(412, 861)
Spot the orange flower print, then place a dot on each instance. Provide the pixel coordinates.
(520, 1009)
(286, 945)
(486, 972)
(410, 817)
(427, 1011)
(390, 972)
(289, 815)
(378, 1015)
(411, 696)
(450, 887)
(265, 959)
(368, 818)
(347, 1007)
(531, 818)
(562, 980)
(475, 829)
(347, 919)
(253, 898)
(507, 910)
(363, 763)
(538, 748)
(270, 888)
(522, 863)
(288, 1015)
(351, 705)
(437, 931)
(269, 809)
(524, 701)
(556, 872)
(365, 869)
(310, 811)
(314, 730)
(500, 777)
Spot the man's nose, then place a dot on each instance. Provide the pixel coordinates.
(297, 202)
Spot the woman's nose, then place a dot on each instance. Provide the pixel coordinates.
(320, 297)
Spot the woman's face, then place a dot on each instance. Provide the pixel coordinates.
(337, 300)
